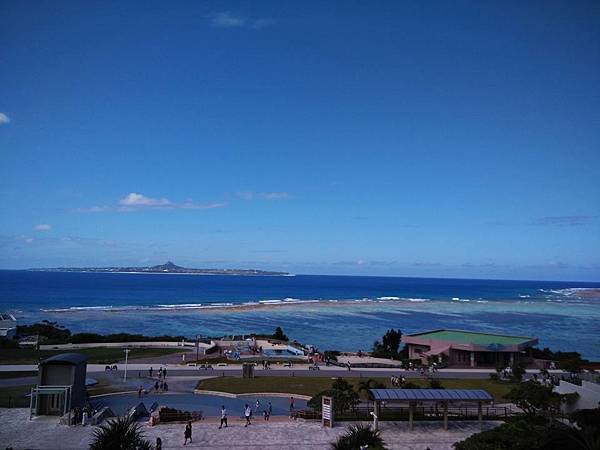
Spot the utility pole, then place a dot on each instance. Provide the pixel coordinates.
(126, 353)
(197, 347)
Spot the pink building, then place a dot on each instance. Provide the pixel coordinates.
(467, 348)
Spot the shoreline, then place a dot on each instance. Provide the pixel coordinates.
(295, 302)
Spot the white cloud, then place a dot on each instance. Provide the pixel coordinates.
(4, 118)
(264, 195)
(136, 202)
(134, 199)
(226, 19)
(43, 227)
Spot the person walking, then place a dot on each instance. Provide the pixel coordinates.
(187, 434)
(270, 409)
(291, 406)
(223, 417)
(247, 414)
(257, 406)
(158, 445)
(140, 390)
(150, 372)
(165, 373)
(156, 386)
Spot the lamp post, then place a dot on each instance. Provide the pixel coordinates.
(126, 353)
(197, 347)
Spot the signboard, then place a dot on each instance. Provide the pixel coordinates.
(327, 412)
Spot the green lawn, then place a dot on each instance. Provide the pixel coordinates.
(14, 396)
(313, 385)
(96, 355)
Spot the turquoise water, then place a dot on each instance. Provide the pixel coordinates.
(331, 312)
(209, 405)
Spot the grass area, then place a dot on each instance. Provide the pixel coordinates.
(9, 375)
(14, 396)
(313, 385)
(96, 355)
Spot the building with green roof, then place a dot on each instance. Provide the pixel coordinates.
(467, 348)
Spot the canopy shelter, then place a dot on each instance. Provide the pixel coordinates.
(414, 396)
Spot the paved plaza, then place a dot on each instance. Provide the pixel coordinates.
(45, 433)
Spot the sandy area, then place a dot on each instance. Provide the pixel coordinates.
(45, 433)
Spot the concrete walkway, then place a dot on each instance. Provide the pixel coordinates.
(45, 433)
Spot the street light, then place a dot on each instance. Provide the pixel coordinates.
(126, 353)
(197, 347)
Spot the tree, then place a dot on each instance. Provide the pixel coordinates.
(389, 345)
(345, 398)
(120, 434)
(572, 365)
(516, 434)
(365, 385)
(518, 370)
(533, 397)
(539, 433)
(564, 437)
(358, 436)
(279, 334)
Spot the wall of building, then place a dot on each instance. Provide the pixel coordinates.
(56, 375)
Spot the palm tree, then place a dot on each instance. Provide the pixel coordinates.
(358, 436)
(120, 434)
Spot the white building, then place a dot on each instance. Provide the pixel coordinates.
(8, 326)
(589, 395)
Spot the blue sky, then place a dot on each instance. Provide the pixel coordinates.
(376, 138)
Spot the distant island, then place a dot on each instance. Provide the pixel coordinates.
(169, 267)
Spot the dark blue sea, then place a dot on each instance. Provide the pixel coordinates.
(341, 312)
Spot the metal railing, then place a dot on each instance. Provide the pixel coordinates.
(363, 413)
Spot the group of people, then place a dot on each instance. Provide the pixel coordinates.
(160, 386)
(267, 411)
(397, 381)
(162, 373)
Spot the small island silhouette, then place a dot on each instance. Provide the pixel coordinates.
(168, 267)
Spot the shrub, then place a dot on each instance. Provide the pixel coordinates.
(51, 331)
(434, 383)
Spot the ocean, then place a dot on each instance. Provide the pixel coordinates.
(331, 312)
